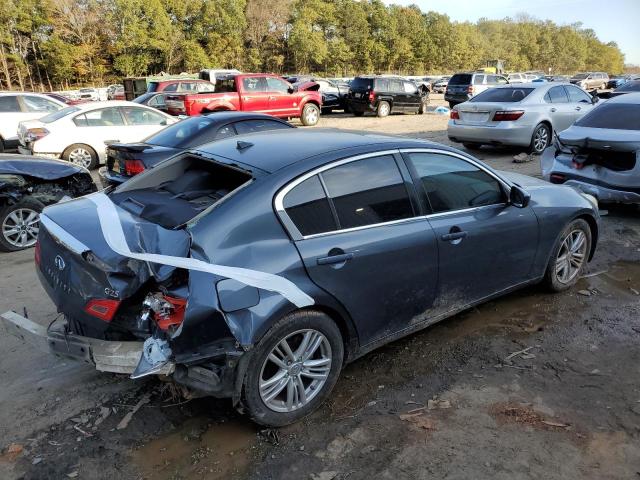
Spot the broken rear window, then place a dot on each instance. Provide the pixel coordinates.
(614, 116)
(179, 190)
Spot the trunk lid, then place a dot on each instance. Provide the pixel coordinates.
(482, 113)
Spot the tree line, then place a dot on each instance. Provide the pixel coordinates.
(55, 44)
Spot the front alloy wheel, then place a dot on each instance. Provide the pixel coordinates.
(20, 224)
(295, 370)
(569, 256)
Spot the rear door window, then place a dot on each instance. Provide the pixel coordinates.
(254, 84)
(171, 88)
(104, 117)
(9, 103)
(308, 208)
(367, 192)
(556, 95)
(616, 116)
(577, 95)
(454, 184)
(142, 116)
(382, 85)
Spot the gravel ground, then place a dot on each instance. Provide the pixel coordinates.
(454, 401)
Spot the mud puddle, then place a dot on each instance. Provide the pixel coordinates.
(222, 450)
(620, 277)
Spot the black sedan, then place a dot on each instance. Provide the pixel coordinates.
(125, 160)
(627, 87)
(27, 185)
(255, 268)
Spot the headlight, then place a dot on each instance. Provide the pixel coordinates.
(16, 180)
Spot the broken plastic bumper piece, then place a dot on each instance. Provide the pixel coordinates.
(105, 355)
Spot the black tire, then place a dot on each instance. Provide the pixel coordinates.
(310, 115)
(7, 243)
(252, 400)
(383, 110)
(91, 159)
(551, 277)
(537, 145)
(472, 146)
(358, 114)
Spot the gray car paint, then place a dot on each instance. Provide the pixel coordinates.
(519, 132)
(513, 244)
(605, 184)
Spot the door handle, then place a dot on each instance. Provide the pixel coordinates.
(578, 108)
(272, 98)
(448, 237)
(331, 259)
(553, 110)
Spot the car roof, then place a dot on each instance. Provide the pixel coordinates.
(26, 93)
(632, 97)
(272, 150)
(235, 116)
(107, 103)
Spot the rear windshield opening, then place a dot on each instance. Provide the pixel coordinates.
(177, 192)
(505, 95)
(614, 116)
(612, 160)
(460, 79)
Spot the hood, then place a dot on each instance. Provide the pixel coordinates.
(43, 168)
(523, 180)
(601, 138)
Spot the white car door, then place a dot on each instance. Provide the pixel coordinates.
(142, 122)
(11, 115)
(580, 101)
(96, 127)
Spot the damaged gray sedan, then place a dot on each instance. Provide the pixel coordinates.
(255, 268)
(600, 153)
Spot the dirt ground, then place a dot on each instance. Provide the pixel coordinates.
(529, 386)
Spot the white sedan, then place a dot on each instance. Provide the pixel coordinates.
(80, 133)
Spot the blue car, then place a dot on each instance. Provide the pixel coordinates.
(256, 267)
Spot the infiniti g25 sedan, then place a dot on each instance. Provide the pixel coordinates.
(257, 267)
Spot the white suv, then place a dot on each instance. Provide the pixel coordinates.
(16, 107)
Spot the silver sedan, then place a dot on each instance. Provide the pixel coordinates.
(524, 115)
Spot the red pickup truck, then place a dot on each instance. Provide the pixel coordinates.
(253, 92)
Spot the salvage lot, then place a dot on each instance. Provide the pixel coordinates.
(454, 401)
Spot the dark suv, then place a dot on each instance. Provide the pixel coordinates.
(384, 95)
(463, 86)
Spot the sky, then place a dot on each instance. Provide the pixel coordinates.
(612, 20)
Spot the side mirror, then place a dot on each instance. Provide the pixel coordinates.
(290, 90)
(519, 197)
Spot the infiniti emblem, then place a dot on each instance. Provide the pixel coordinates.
(59, 262)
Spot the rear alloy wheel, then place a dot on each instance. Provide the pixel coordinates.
(293, 369)
(310, 115)
(540, 139)
(569, 256)
(19, 225)
(81, 155)
(384, 109)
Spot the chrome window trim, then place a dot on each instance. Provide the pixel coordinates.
(295, 233)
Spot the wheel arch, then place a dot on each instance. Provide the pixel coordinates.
(593, 226)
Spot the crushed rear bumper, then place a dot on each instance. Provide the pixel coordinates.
(106, 356)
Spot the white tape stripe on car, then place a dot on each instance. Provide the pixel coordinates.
(114, 236)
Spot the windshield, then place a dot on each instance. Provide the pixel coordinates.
(580, 76)
(460, 79)
(502, 95)
(52, 117)
(182, 134)
(143, 98)
(361, 84)
(614, 116)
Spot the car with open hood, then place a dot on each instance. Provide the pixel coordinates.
(27, 185)
(257, 267)
(600, 153)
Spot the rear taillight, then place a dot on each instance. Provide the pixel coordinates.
(454, 115)
(102, 308)
(188, 105)
(372, 95)
(507, 115)
(133, 167)
(470, 89)
(557, 178)
(34, 134)
(36, 253)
